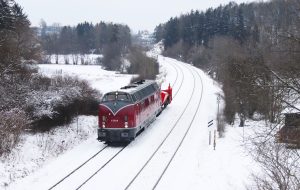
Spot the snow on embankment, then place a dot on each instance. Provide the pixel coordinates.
(36, 150)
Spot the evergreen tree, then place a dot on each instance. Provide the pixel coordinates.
(171, 35)
(243, 45)
(86, 37)
(17, 41)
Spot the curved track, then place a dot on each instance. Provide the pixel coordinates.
(160, 145)
(183, 138)
(131, 183)
(180, 85)
(103, 149)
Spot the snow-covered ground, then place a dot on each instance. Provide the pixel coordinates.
(37, 150)
(195, 164)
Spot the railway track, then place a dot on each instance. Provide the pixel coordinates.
(175, 94)
(89, 178)
(126, 146)
(183, 138)
(76, 169)
(178, 146)
(97, 154)
(180, 85)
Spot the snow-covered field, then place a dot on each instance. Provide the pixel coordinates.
(98, 78)
(176, 142)
(83, 59)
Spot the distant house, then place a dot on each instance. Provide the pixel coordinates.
(290, 132)
(55, 29)
(292, 120)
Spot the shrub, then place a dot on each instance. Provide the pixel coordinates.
(280, 167)
(64, 98)
(112, 57)
(145, 67)
(11, 126)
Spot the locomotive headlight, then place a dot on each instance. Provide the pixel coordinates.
(103, 121)
(126, 121)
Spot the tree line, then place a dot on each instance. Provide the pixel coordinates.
(84, 38)
(253, 49)
(29, 100)
(197, 28)
(111, 40)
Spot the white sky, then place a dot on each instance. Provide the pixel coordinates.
(137, 14)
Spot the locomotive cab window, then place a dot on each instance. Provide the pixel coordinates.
(133, 98)
(116, 96)
(123, 97)
(109, 97)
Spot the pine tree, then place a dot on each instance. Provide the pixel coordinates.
(17, 41)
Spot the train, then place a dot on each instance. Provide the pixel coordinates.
(124, 113)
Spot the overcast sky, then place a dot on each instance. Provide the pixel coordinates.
(137, 14)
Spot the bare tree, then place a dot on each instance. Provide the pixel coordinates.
(279, 166)
(141, 64)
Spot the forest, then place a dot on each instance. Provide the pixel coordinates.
(252, 49)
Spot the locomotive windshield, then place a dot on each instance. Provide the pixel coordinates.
(116, 96)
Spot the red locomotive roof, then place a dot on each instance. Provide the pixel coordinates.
(137, 86)
(136, 91)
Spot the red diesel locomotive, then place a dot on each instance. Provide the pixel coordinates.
(126, 112)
